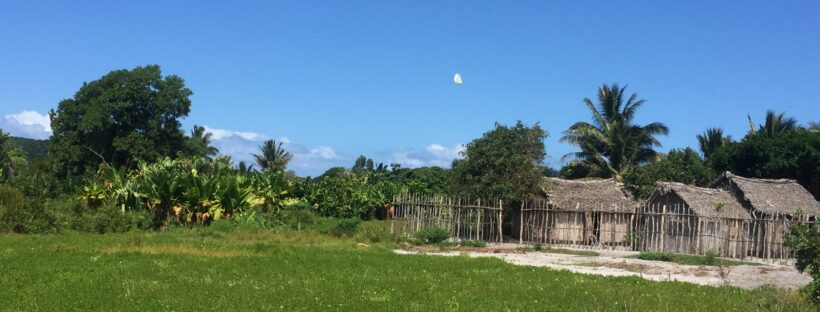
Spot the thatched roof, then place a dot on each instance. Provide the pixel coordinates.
(704, 201)
(587, 195)
(769, 196)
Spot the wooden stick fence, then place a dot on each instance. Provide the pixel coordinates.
(659, 228)
(465, 219)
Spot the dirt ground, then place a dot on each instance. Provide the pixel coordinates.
(615, 263)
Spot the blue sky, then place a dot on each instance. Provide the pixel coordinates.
(337, 79)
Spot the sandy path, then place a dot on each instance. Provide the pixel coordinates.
(614, 263)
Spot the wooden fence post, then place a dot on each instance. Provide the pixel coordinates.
(500, 221)
(521, 224)
(663, 226)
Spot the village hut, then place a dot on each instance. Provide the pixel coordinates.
(770, 197)
(774, 204)
(588, 212)
(688, 219)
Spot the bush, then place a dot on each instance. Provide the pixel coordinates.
(804, 241)
(20, 214)
(432, 235)
(110, 219)
(339, 227)
(69, 213)
(656, 256)
(376, 232)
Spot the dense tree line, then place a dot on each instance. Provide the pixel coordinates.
(118, 146)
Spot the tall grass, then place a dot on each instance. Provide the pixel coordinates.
(259, 269)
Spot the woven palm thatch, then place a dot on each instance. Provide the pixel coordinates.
(704, 202)
(588, 195)
(780, 196)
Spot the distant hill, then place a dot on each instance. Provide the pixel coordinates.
(33, 148)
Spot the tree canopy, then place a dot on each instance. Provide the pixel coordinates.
(712, 140)
(124, 117)
(199, 143)
(272, 156)
(684, 166)
(613, 144)
(793, 154)
(505, 163)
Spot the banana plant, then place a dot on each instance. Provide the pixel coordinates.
(93, 194)
(163, 186)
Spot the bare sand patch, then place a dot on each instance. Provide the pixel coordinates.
(615, 263)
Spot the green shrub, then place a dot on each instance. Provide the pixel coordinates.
(21, 214)
(376, 232)
(656, 256)
(804, 241)
(110, 219)
(339, 227)
(69, 213)
(433, 235)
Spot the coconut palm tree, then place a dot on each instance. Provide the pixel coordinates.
(711, 140)
(612, 144)
(775, 124)
(814, 126)
(244, 168)
(273, 157)
(201, 142)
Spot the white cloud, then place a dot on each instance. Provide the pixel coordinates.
(240, 145)
(432, 155)
(324, 152)
(218, 134)
(29, 124)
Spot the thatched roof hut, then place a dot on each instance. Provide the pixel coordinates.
(769, 196)
(587, 195)
(704, 202)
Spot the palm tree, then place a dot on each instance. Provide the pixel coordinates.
(775, 124)
(200, 143)
(711, 140)
(273, 156)
(243, 167)
(814, 126)
(612, 144)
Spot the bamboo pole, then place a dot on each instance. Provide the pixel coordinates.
(500, 218)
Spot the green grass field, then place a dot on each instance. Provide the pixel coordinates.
(243, 270)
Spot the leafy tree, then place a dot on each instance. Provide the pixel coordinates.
(12, 158)
(365, 165)
(34, 149)
(804, 241)
(423, 180)
(505, 163)
(199, 143)
(4, 147)
(346, 194)
(684, 166)
(793, 154)
(612, 144)
(711, 140)
(273, 156)
(124, 117)
(574, 170)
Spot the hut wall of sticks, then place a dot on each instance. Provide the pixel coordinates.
(465, 219)
(677, 218)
